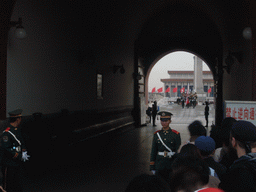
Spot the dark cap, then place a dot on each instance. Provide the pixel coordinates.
(244, 131)
(165, 115)
(15, 113)
(205, 143)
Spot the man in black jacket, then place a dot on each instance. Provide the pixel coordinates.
(242, 174)
(154, 112)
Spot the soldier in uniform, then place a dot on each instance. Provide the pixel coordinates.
(206, 112)
(183, 98)
(165, 144)
(194, 98)
(14, 153)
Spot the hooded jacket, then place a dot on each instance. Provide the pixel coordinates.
(241, 176)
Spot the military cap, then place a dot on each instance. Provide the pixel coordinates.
(205, 143)
(164, 115)
(15, 113)
(244, 131)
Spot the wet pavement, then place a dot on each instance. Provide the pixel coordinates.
(106, 163)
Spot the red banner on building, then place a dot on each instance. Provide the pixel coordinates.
(160, 90)
(174, 90)
(154, 90)
(167, 90)
(210, 90)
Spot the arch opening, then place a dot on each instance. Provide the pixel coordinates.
(180, 73)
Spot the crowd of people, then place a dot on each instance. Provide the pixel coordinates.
(187, 99)
(225, 161)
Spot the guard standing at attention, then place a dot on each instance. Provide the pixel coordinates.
(14, 153)
(206, 112)
(165, 144)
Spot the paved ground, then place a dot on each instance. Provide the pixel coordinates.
(103, 164)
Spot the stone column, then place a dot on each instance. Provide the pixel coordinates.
(198, 78)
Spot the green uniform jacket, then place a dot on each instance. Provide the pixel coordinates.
(172, 139)
(12, 149)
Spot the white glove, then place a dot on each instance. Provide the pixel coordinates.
(25, 156)
(153, 171)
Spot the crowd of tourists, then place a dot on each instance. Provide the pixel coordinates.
(223, 161)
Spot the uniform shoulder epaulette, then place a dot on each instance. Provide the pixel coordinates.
(175, 131)
(8, 129)
(157, 131)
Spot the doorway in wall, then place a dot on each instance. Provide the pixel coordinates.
(181, 82)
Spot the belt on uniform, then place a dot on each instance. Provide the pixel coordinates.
(166, 154)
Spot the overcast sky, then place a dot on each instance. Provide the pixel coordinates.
(176, 61)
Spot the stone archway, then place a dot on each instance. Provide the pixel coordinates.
(202, 96)
(180, 27)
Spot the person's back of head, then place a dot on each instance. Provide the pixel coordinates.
(189, 174)
(206, 145)
(189, 150)
(196, 129)
(244, 133)
(225, 129)
(147, 183)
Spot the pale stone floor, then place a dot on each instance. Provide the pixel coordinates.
(106, 163)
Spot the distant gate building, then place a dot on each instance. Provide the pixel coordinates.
(198, 81)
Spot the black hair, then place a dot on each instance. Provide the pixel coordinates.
(189, 150)
(189, 173)
(205, 153)
(225, 129)
(196, 129)
(147, 183)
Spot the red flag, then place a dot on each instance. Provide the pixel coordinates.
(154, 90)
(210, 90)
(167, 90)
(174, 90)
(182, 90)
(160, 90)
(187, 101)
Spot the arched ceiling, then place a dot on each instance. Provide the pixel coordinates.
(201, 27)
(180, 27)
